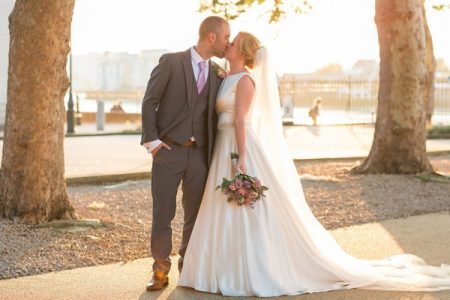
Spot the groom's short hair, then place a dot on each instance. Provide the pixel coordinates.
(210, 24)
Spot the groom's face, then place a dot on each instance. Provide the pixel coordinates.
(222, 41)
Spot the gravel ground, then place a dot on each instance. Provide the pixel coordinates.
(336, 197)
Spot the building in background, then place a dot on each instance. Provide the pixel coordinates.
(6, 7)
(111, 71)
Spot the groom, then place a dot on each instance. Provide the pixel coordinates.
(178, 128)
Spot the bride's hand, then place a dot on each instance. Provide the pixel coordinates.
(241, 166)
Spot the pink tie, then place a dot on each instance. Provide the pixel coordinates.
(201, 76)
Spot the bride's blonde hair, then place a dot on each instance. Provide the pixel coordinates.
(248, 45)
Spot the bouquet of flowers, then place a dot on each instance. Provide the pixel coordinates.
(243, 189)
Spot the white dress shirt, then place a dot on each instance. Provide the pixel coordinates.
(195, 60)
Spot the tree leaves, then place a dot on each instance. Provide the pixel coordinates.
(441, 6)
(231, 9)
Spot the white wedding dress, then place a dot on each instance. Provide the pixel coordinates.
(279, 247)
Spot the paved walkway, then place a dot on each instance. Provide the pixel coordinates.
(121, 154)
(317, 142)
(426, 236)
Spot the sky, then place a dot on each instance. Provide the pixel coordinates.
(335, 31)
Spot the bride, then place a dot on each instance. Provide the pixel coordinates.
(279, 247)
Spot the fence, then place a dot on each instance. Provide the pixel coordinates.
(346, 101)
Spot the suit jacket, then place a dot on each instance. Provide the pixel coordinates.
(169, 94)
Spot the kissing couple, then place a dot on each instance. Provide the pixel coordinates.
(193, 117)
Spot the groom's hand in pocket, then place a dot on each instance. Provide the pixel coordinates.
(156, 150)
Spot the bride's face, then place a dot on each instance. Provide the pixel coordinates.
(232, 53)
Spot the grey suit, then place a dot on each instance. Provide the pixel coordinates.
(172, 109)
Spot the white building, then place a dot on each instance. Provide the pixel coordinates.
(6, 7)
(86, 71)
(111, 71)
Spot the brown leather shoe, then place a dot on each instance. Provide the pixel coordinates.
(159, 280)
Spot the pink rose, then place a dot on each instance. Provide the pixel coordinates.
(222, 74)
(238, 183)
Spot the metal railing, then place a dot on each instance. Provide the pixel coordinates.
(346, 101)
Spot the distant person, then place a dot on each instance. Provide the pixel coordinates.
(117, 108)
(314, 111)
(178, 129)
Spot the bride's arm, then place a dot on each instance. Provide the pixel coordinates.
(244, 94)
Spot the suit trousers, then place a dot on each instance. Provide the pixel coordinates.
(171, 167)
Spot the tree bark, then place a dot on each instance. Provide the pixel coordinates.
(399, 145)
(431, 69)
(32, 184)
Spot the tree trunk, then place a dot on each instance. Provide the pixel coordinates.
(431, 69)
(32, 184)
(399, 145)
